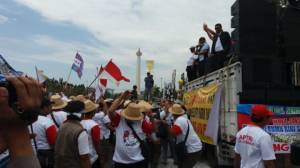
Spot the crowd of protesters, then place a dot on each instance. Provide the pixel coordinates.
(80, 132)
(76, 131)
(204, 60)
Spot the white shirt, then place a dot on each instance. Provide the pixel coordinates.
(167, 116)
(4, 155)
(193, 142)
(205, 47)
(254, 146)
(218, 46)
(102, 119)
(83, 141)
(190, 61)
(127, 148)
(88, 125)
(59, 116)
(39, 128)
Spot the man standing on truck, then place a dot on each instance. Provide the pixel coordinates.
(254, 147)
(220, 47)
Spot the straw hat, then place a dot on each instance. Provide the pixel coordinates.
(80, 98)
(90, 106)
(145, 106)
(72, 97)
(58, 102)
(132, 112)
(126, 103)
(176, 109)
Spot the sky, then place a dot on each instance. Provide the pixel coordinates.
(48, 33)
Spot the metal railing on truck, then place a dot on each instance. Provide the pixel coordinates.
(217, 76)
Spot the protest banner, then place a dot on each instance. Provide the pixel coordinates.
(199, 104)
(284, 127)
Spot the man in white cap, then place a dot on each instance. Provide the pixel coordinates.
(93, 131)
(58, 115)
(131, 131)
(188, 145)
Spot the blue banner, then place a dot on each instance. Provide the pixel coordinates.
(277, 110)
(6, 69)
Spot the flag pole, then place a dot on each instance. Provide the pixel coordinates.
(95, 79)
(97, 76)
(69, 76)
(37, 75)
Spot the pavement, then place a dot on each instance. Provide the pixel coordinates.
(201, 164)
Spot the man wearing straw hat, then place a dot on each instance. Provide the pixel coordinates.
(166, 121)
(107, 133)
(188, 144)
(131, 129)
(93, 131)
(58, 115)
(154, 141)
(72, 144)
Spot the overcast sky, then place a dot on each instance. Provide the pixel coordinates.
(48, 33)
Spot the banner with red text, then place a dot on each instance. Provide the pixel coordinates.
(284, 127)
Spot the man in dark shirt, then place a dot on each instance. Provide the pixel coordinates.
(149, 82)
(220, 47)
(134, 94)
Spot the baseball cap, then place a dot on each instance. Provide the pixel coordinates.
(261, 111)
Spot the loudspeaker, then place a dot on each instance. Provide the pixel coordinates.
(255, 23)
(266, 39)
(290, 24)
(259, 71)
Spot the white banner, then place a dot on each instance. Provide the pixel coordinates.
(213, 120)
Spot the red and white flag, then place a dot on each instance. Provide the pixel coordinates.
(100, 88)
(113, 73)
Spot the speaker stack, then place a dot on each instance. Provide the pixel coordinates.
(266, 41)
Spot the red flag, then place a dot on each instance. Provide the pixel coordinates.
(113, 72)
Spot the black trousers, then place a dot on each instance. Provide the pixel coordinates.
(46, 158)
(216, 61)
(189, 73)
(201, 68)
(190, 160)
(96, 164)
(141, 164)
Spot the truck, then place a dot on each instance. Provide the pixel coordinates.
(230, 79)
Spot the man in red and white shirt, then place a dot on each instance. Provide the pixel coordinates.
(128, 149)
(93, 131)
(254, 147)
(181, 129)
(46, 132)
(58, 116)
(103, 120)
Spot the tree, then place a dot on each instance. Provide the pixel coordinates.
(57, 86)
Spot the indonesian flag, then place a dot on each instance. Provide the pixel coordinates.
(113, 73)
(100, 88)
